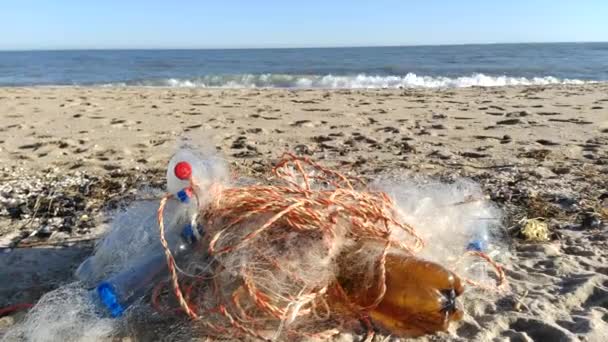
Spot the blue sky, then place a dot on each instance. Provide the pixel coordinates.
(69, 24)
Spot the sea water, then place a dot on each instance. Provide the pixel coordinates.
(358, 67)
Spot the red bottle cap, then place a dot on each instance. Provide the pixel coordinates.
(183, 170)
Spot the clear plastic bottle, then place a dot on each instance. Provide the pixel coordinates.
(480, 239)
(203, 169)
(480, 242)
(120, 290)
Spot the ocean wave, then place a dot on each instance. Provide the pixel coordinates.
(361, 81)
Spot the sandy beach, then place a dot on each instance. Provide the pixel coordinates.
(537, 151)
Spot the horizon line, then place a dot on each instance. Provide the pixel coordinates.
(291, 47)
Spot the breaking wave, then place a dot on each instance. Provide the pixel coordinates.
(410, 80)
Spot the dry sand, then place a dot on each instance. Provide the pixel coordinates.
(537, 151)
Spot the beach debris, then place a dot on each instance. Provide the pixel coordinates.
(415, 288)
(535, 230)
(62, 202)
(538, 154)
(591, 220)
(519, 304)
(540, 207)
(603, 212)
(302, 255)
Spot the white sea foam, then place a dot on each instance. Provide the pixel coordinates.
(361, 81)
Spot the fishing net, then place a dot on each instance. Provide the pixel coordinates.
(272, 256)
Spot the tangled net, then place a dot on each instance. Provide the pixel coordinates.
(268, 263)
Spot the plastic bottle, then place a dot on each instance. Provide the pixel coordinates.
(414, 288)
(480, 242)
(116, 293)
(203, 169)
(480, 239)
(120, 290)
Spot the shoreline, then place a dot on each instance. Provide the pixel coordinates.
(188, 85)
(124, 86)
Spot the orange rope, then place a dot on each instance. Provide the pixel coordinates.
(171, 261)
(501, 281)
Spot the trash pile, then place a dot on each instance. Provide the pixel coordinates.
(308, 254)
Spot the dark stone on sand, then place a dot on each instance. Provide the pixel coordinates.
(238, 144)
(321, 138)
(509, 122)
(561, 170)
(404, 148)
(303, 150)
(44, 232)
(474, 155)
(302, 123)
(546, 142)
(388, 129)
(590, 220)
(110, 167)
(15, 212)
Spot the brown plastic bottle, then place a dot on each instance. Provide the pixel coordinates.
(420, 296)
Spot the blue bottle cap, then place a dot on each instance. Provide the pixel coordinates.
(190, 235)
(477, 245)
(109, 299)
(183, 196)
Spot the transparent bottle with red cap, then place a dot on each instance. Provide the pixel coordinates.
(114, 294)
